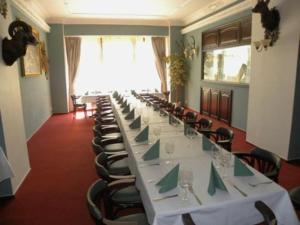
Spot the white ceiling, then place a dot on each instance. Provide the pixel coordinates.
(160, 12)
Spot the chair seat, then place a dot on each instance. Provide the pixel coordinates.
(114, 135)
(138, 219)
(295, 196)
(119, 167)
(114, 147)
(127, 195)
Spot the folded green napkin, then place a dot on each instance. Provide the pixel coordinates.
(169, 181)
(153, 152)
(130, 115)
(143, 135)
(115, 94)
(136, 123)
(206, 144)
(121, 100)
(124, 104)
(126, 109)
(240, 169)
(215, 181)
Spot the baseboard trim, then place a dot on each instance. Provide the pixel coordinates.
(21, 182)
(39, 127)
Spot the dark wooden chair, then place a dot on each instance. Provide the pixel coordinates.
(78, 106)
(266, 212)
(98, 195)
(222, 136)
(190, 118)
(179, 112)
(264, 161)
(295, 197)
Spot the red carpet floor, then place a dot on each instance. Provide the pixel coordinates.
(62, 169)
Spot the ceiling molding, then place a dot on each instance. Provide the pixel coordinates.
(247, 4)
(107, 21)
(31, 14)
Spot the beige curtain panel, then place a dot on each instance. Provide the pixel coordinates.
(73, 45)
(159, 48)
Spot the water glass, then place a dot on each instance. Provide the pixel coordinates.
(225, 162)
(169, 148)
(156, 131)
(190, 133)
(216, 154)
(185, 181)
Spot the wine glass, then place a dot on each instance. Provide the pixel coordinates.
(190, 133)
(169, 148)
(185, 181)
(216, 154)
(225, 162)
(145, 119)
(156, 131)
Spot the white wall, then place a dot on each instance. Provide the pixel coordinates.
(11, 112)
(272, 85)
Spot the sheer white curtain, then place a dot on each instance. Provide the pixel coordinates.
(116, 63)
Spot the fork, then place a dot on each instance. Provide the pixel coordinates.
(256, 184)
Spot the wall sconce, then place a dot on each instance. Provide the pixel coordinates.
(263, 44)
(190, 48)
(3, 8)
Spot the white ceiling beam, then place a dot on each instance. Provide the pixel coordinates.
(31, 15)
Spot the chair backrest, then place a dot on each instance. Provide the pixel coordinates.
(187, 219)
(96, 145)
(190, 117)
(266, 212)
(95, 191)
(179, 111)
(205, 123)
(73, 97)
(100, 164)
(267, 163)
(224, 137)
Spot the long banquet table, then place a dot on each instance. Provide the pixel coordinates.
(223, 208)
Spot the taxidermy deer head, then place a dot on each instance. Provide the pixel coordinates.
(21, 36)
(269, 19)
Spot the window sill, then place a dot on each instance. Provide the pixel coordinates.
(225, 83)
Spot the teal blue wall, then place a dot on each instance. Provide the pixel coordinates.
(192, 87)
(58, 69)
(115, 30)
(35, 92)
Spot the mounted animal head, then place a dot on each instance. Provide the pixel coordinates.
(269, 19)
(21, 36)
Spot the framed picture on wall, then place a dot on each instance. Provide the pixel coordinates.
(31, 62)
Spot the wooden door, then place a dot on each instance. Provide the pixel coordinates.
(205, 101)
(214, 103)
(225, 105)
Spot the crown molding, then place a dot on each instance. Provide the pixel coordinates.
(107, 21)
(31, 14)
(247, 4)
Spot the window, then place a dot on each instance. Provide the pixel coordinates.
(229, 64)
(116, 63)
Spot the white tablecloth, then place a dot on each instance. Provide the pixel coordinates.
(224, 208)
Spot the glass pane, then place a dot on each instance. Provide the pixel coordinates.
(230, 64)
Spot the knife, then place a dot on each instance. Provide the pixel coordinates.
(165, 197)
(238, 189)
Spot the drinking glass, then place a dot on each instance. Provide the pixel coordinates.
(156, 131)
(185, 181)
(216, 154)
(169, 148)
(145, 119)
(190, 133)
(225, 162)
